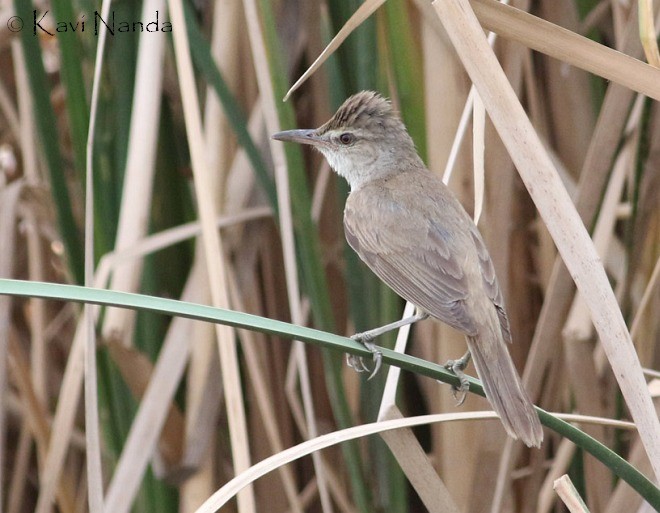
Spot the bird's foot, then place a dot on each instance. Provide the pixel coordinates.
(357, 362)
(457, 367)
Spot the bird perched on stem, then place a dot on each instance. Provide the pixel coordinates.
(413, 233)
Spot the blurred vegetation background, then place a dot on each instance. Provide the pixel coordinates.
(283, 254)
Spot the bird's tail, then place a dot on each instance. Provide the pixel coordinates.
(504, 389)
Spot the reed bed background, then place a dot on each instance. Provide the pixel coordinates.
(193, 201)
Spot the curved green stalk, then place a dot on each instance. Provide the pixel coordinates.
(613, 461)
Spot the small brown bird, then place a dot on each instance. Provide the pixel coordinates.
(410, 229)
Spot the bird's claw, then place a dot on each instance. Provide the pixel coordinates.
(357, 362)
(457, 367)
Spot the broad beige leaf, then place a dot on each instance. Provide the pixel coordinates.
(556, 208)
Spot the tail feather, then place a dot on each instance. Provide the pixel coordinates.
(504, 389)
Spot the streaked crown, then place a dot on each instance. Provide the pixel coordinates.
(364, 110)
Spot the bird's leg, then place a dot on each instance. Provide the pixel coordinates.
(366, 339)
(457, 367)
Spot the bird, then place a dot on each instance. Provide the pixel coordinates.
(410, 229)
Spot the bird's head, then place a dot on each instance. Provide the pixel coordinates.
(364, 140)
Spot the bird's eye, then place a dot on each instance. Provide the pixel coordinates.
(346, 138)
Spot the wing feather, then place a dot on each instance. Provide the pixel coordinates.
(414, 248)
(415, 259)
(490, 283)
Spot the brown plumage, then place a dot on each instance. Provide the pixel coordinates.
(412, 232)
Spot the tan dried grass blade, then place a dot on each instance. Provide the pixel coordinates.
(137, 188)
(229, 490)
(36, 417)
(287, 233)
(568, 46)
(62, 427)
(404, 445)
(9, 200)
(478, 147)
(535, 33)
(92, 432)
(647, 32)
(600, 154)
(418, 469)
(560, 462)
(363, 12)
(138, 371)
(557, 210)
(569, 495)
(260, 469)
(654, 281)
(212, 250)
(265, 404)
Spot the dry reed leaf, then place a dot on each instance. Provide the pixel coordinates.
(569, 495)
(555, 206)
(9, 199)
(588, 395)
(230, 489)
(569, 109)
(239, 185)
(62, 427)
(265, 401)
(445, 89)
(535, 33)
(138, 372)
(568, 46)
(204, 386)
(459, 136)
(654, 281)
(320, 190)
(27, 118)
(286, 230)
(415, 464)
(388, 399)
(195, 490)
(153, 410)
(293, 400)
(560, 463)
(38, 360)
(220, 140)
(92, 432)
(36, 417)
(578, 325)
(204, 400)
(167, 238)
(508, 245)
(7, 106)
(467, 109)
(137, 188)
(405, 447)
(38, 355)
(213, 252)
(600, 154)
(365, 10)
(478, 139)
(647, 32)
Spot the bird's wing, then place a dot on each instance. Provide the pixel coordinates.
(416, 263)
(491, 286)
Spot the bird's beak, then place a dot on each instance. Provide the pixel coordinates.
(300, 136)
